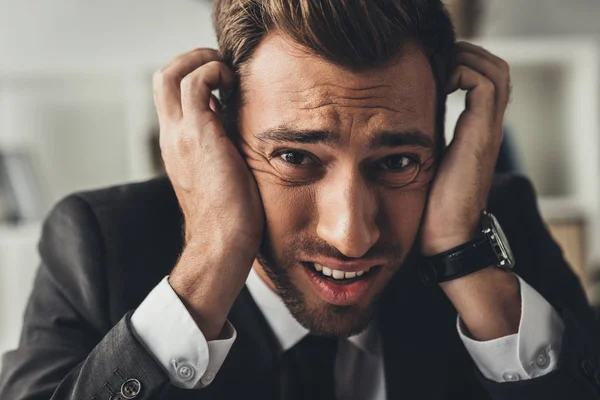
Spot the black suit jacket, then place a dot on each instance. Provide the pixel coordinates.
(103, 251)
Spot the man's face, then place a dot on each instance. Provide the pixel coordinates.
(343, 161)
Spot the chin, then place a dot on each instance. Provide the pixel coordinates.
(324, 319)
(323, 305)
(335, 321)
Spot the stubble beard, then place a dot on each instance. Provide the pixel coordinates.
(326, 320)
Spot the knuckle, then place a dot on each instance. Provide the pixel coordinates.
(187, 84)
(461, 69)
(213, 64)
(158, 78)
(489, 86)
(161, 78)
(207, 50)
(212, 67)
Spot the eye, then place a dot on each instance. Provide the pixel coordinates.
(397, 170)
(397, 162)
(296, 167)
(295, 158)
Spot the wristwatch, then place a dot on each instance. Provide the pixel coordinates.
(491, 248)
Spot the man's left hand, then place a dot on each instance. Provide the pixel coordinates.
(460, 188)
(488, 300)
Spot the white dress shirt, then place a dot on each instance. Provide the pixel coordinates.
(167, 329)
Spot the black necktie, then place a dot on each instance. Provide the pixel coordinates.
(307, 369)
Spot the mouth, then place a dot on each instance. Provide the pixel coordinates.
(337, 287)
(340, 277)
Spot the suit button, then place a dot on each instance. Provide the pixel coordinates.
(588, 368)
(511, 377)
(116, 396)
(130, 389)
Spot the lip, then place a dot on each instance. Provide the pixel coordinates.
(346, 266)
(340, 294)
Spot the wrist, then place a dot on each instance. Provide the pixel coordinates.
(222, 241)
(488, 302)
(439, 243)
(208, 283)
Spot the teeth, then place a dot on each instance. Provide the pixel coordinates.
(336, 274)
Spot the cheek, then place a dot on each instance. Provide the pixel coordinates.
(289, 210)
(287, 207)
(402, 211)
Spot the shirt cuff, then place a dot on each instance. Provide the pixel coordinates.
(531, 352)
(165, 326)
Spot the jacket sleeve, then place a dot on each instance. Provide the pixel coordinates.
(578, 372)
(68, 348)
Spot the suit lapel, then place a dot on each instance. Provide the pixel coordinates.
(414, 322)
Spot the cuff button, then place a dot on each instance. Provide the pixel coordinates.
(185, 371)
(130, 389)
(511, 377)
(542, 360)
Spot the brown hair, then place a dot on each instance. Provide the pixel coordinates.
(355, 34)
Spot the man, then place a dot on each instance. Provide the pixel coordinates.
(281, 259)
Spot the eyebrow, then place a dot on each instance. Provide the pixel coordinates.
(282, 134)
(381, 140)
(398, 139)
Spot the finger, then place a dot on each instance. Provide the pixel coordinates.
(469, 48)
(480, 90)
(196, 92)
(472, 48)
(500, 77)
(167, 80)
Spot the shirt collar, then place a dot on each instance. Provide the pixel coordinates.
(285, 327)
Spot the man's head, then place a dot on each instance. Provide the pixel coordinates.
(340, 114)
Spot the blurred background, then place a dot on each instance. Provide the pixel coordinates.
(76, 111)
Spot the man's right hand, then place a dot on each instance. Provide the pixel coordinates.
(217, 193)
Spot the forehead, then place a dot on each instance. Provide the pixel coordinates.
(284, 85)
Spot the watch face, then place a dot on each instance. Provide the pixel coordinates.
(500, 243)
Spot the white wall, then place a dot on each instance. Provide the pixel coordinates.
(69, 34)
(541, 18)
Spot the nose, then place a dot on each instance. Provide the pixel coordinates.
(347, 215)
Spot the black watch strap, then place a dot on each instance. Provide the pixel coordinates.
(458, 261)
